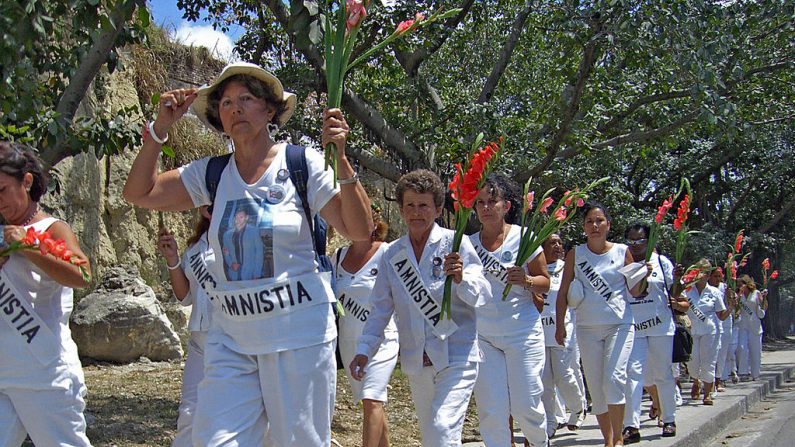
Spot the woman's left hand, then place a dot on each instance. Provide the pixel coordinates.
(516, 276)
(335, 130)
(13, 233)
(649, 269)
(454, 266)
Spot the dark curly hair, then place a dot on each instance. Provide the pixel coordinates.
(502, 187)
(421, 181)
(16, 160)
(257, 88)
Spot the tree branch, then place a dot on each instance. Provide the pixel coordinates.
(780, 215)
(95, 58)
(639, 103)
(646, 135)
(506, 54)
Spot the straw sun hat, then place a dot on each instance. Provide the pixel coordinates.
(199, 105)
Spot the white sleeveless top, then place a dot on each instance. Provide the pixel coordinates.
(517, 312)
(752, 313)
(53, 304)
(651, 313)
(606, 292)
(550, 302)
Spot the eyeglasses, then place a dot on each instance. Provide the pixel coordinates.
(630, 242)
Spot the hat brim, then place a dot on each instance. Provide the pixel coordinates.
(200, 104)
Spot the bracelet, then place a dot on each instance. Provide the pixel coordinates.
(154, 136)
(529, 287)
(176, 266)
(348, 181)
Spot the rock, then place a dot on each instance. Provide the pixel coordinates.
(122, 321)
(179, 316)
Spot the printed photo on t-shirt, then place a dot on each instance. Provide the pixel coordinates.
(246, 238)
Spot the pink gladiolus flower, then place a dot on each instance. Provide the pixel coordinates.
(743, 261)
(663, 209)
(774, 275)
(560, 214)
(545, 205)
(530, 197)
(580, 203)
(404, 26)
(356, 13)
(419, 16)
(568, 197)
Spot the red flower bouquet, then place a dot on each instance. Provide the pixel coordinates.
(44, 242)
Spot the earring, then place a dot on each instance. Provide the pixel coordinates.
(272, 129)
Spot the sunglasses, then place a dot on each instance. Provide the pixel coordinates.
(636, 242)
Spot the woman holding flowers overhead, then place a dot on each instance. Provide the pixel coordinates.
(753, 307)
(270, 348)
(604, 320)
(509, 331)
(440, 355)
(41, 379)
(706, 311)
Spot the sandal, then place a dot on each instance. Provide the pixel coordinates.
(654, 412)
(669, 430)
(695, 390)
(631, 435)
(708, 401)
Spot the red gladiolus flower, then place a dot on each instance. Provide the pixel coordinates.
(545, 205)
(30, 237)
(766, 264)
(663, 209)
(684, 208)
(738, 243)
(568, 197)
(691, 276)
(404, 26)
(530, 197)
(677, 224)
(357, 11)
(560, 214)
(774, 275)
(580, 203)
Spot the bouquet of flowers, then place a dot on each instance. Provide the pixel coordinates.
(339, 40)
(654, 229)
(732, 264)
(536, 228)
(680, 222)
(464, 188)
(765, 277)
(44, 242)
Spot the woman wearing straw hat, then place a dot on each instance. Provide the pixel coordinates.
(270, 348)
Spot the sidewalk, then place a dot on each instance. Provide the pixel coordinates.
(696, 423)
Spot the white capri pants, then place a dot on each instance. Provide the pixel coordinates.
(650, 364)
(290, 394)
(441, 401)
(605, 352)
(559, 377)
(52, 417)
(193, 374)
(576, 367)
(509, 383)
(723, 356)
(373, 385)
(703, 358)
(750, 352)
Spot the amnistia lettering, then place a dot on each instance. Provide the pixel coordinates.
(547, 321)
(650, 323)
(419, 295)
(353, 309)
(696, 311)
(23, 319)
(200, 272)
(492, 265)
(595, 279)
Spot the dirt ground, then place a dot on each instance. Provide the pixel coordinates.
(136, 405)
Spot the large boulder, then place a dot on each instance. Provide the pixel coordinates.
(122, 321)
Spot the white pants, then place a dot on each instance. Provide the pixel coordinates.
(650, 364)
(705, 354)
(750, 353)
(441, 401)
(723, 356)
(509, 384)
(52, 417)
(605, 352)
(577, 369)
(193, 374)
(290, 394)
(559, 377)
(373, 385)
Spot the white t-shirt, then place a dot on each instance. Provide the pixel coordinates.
(353, 293)
(651, 313)
(703, 308)
(272, 246)
(550, 302)
(605, 288)
(752, 313)
(19, 368)
(197, 296)
(416, 335)
(517, 313)
(725, 326)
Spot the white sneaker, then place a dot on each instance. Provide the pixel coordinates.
(678, 396)
(714, 394)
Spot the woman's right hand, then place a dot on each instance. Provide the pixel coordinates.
(357, 366)
(173, 104)
(167, 246)
(560, 335)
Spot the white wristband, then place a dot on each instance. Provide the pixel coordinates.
(176, 266)
(348, 181)
(154, 136)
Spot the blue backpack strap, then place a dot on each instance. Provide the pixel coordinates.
(299, 175)
(212, 176)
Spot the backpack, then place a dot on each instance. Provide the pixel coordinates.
(299, 174)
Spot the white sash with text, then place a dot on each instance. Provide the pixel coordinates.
(415, 289)
(492, 266)
(23, 319)
(601, 287)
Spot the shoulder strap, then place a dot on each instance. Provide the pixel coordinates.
(212, 176)
(299, 175)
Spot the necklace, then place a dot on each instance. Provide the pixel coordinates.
(32, 215)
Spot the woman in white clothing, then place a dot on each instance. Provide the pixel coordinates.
(559, 377)
(725, 329)
(753, 307)
(509, 331)
(440, 356)
(707, 310)
(269, 357)
(41, 379)
(604, 320)
(356, 268)
(190, 292)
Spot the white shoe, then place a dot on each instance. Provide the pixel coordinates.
(678, 396)
(575, 420)
(714, 394)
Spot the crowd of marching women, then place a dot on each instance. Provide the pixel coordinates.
(523, 328)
